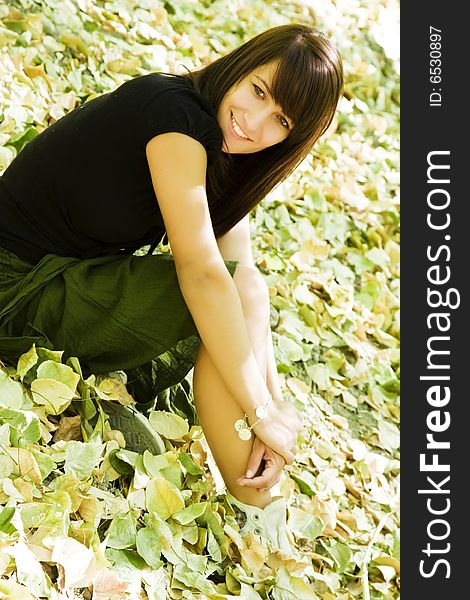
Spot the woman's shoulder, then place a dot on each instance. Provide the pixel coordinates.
(160, 103)
(158, 81)
(166, 87)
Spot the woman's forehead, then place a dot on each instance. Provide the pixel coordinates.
(266, 71)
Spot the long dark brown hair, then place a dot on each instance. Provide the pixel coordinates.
(307, 85)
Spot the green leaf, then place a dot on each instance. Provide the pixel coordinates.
(189, 464)
(166, 465)
(193, 580)
(304, 524)
(27, 361)
(248, 593)
(305, 481)
(45, 463)
(320, 375)
(165, 535)
(169, 425)
(190, 533)
(122, 466)
(121, 532)
(4, 434)
(6, 516)
(341, 553)
(335, 226)
(81, 458)
(24, 426)
(389, 435)
(289, 587)
(274, 263)
(20, 140)
(378, 257)
(213, 522)
(290, 350)
(360, 263)
(128, 560)
(148, 546)
(11, 392)
(213, 547)
(141, 476)
(190, 513)
(46, 354)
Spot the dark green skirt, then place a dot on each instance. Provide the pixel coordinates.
(115, 312)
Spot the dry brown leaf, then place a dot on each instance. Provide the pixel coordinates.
(69, 429)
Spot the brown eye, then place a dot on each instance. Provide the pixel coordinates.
(283, 121)
(258, 91)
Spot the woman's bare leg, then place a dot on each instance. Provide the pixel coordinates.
(216, 408)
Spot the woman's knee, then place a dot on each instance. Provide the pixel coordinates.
(252, 289)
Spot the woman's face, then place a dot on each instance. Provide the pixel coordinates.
(249, 118)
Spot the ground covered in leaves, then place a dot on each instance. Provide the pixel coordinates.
(81, 516)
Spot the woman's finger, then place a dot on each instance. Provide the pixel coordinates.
(256, 456)
(262, 481)
(271, 473)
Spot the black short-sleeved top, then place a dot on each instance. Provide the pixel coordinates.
(82, 187)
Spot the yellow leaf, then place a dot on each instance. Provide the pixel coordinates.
(254, 557)
(26, 464)
(115, 390)
(53, 395)
(389, 561)
(163, 497)
(198, 453)
(25, 488)
(89, 509)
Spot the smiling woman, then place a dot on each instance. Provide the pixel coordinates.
(187, 157)
(304, 76)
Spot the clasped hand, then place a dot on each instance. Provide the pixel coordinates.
(275, 439)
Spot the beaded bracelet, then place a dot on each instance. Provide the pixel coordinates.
(243, 427)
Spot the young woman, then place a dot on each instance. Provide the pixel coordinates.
(187, 157)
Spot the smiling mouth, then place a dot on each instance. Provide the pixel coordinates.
(238, 130)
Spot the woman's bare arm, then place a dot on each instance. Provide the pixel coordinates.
(178, 166)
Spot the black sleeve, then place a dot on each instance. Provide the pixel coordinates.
(174, 107)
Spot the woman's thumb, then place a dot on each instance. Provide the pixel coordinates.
(255, 459)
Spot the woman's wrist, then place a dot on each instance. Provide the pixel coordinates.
(245, 426)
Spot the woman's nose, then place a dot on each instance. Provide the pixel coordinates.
(256, 119)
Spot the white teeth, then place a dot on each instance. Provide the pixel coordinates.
(238, 131)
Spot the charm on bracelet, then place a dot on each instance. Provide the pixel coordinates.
(243, 427)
